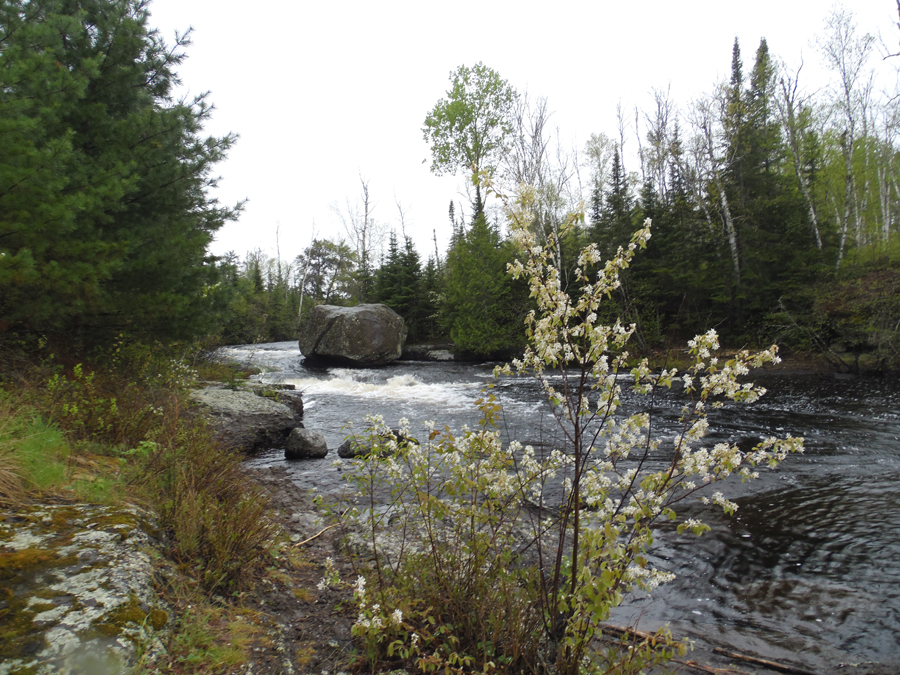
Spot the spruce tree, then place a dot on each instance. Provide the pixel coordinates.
(615, 224)
(483, 308)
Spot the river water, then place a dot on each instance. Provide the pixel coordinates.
(808, 569)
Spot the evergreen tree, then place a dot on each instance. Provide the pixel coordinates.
(432, 285)
(400, 285)
(615, 224)
(104, 213)
(483, 309)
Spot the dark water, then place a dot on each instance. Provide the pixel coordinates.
(808, 569)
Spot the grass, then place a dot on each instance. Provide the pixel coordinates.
(120, 428)
(38, 461)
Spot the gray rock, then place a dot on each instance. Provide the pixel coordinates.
(365, 335)
(305, 444)
(246, 421)
(428, 352)
(359, 447)
(80, 590)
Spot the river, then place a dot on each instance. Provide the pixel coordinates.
(808, 569)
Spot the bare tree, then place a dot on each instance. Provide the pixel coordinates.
(599, 151)
(846, 53)
(621, 126)
(656, 157)
(402, 215)
(536, 157)
(789, 107)
(366, 237)
(707, 119)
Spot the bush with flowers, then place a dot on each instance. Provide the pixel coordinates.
(472, 567)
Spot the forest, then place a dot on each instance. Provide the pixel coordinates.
(774, 217)
(774, 210)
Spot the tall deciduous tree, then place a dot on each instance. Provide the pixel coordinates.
(469, 129)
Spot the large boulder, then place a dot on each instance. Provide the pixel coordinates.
(365, 335)
(246, 421)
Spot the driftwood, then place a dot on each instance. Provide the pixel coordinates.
(319, 534)
(772, 665)
(735, 656)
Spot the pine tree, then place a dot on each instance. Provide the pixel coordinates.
(104, 213)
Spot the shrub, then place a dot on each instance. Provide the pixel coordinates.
(475, 568)
(131, 403)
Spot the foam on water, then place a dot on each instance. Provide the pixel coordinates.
(406, 388)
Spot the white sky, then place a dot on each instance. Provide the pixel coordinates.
(321, 92)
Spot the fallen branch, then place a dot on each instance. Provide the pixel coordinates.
(772, 665)
(306, 541)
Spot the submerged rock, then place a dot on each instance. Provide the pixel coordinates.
(365, 335)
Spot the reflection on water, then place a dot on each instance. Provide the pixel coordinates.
(808, 570)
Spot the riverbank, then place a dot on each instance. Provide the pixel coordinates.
(320, 621)
(274, 618)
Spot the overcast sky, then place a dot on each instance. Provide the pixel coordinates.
(323, 92)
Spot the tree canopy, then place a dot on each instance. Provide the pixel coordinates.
(470, 128)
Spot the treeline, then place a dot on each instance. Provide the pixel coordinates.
(775, 211)
(453, 297)
(775, 214)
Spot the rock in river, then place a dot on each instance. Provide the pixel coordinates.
(305, 444)
(365, 335)
(247, 421)
(360, 446)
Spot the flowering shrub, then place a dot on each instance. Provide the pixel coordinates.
(470, 554)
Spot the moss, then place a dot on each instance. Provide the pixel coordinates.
(113, 624)
(302, 594)
(42, 607)
(13, 564)
(19, 636)
(24, 670)
(116, 519)
(47, 594)
(158, 619)
(60, 518)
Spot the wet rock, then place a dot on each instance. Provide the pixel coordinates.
(359, 447)
(305, 444)
(77, 583)
(428, 352)
(365, 335)
(245, 420)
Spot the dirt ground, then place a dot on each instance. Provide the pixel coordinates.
(314, 623)
(311, 626)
